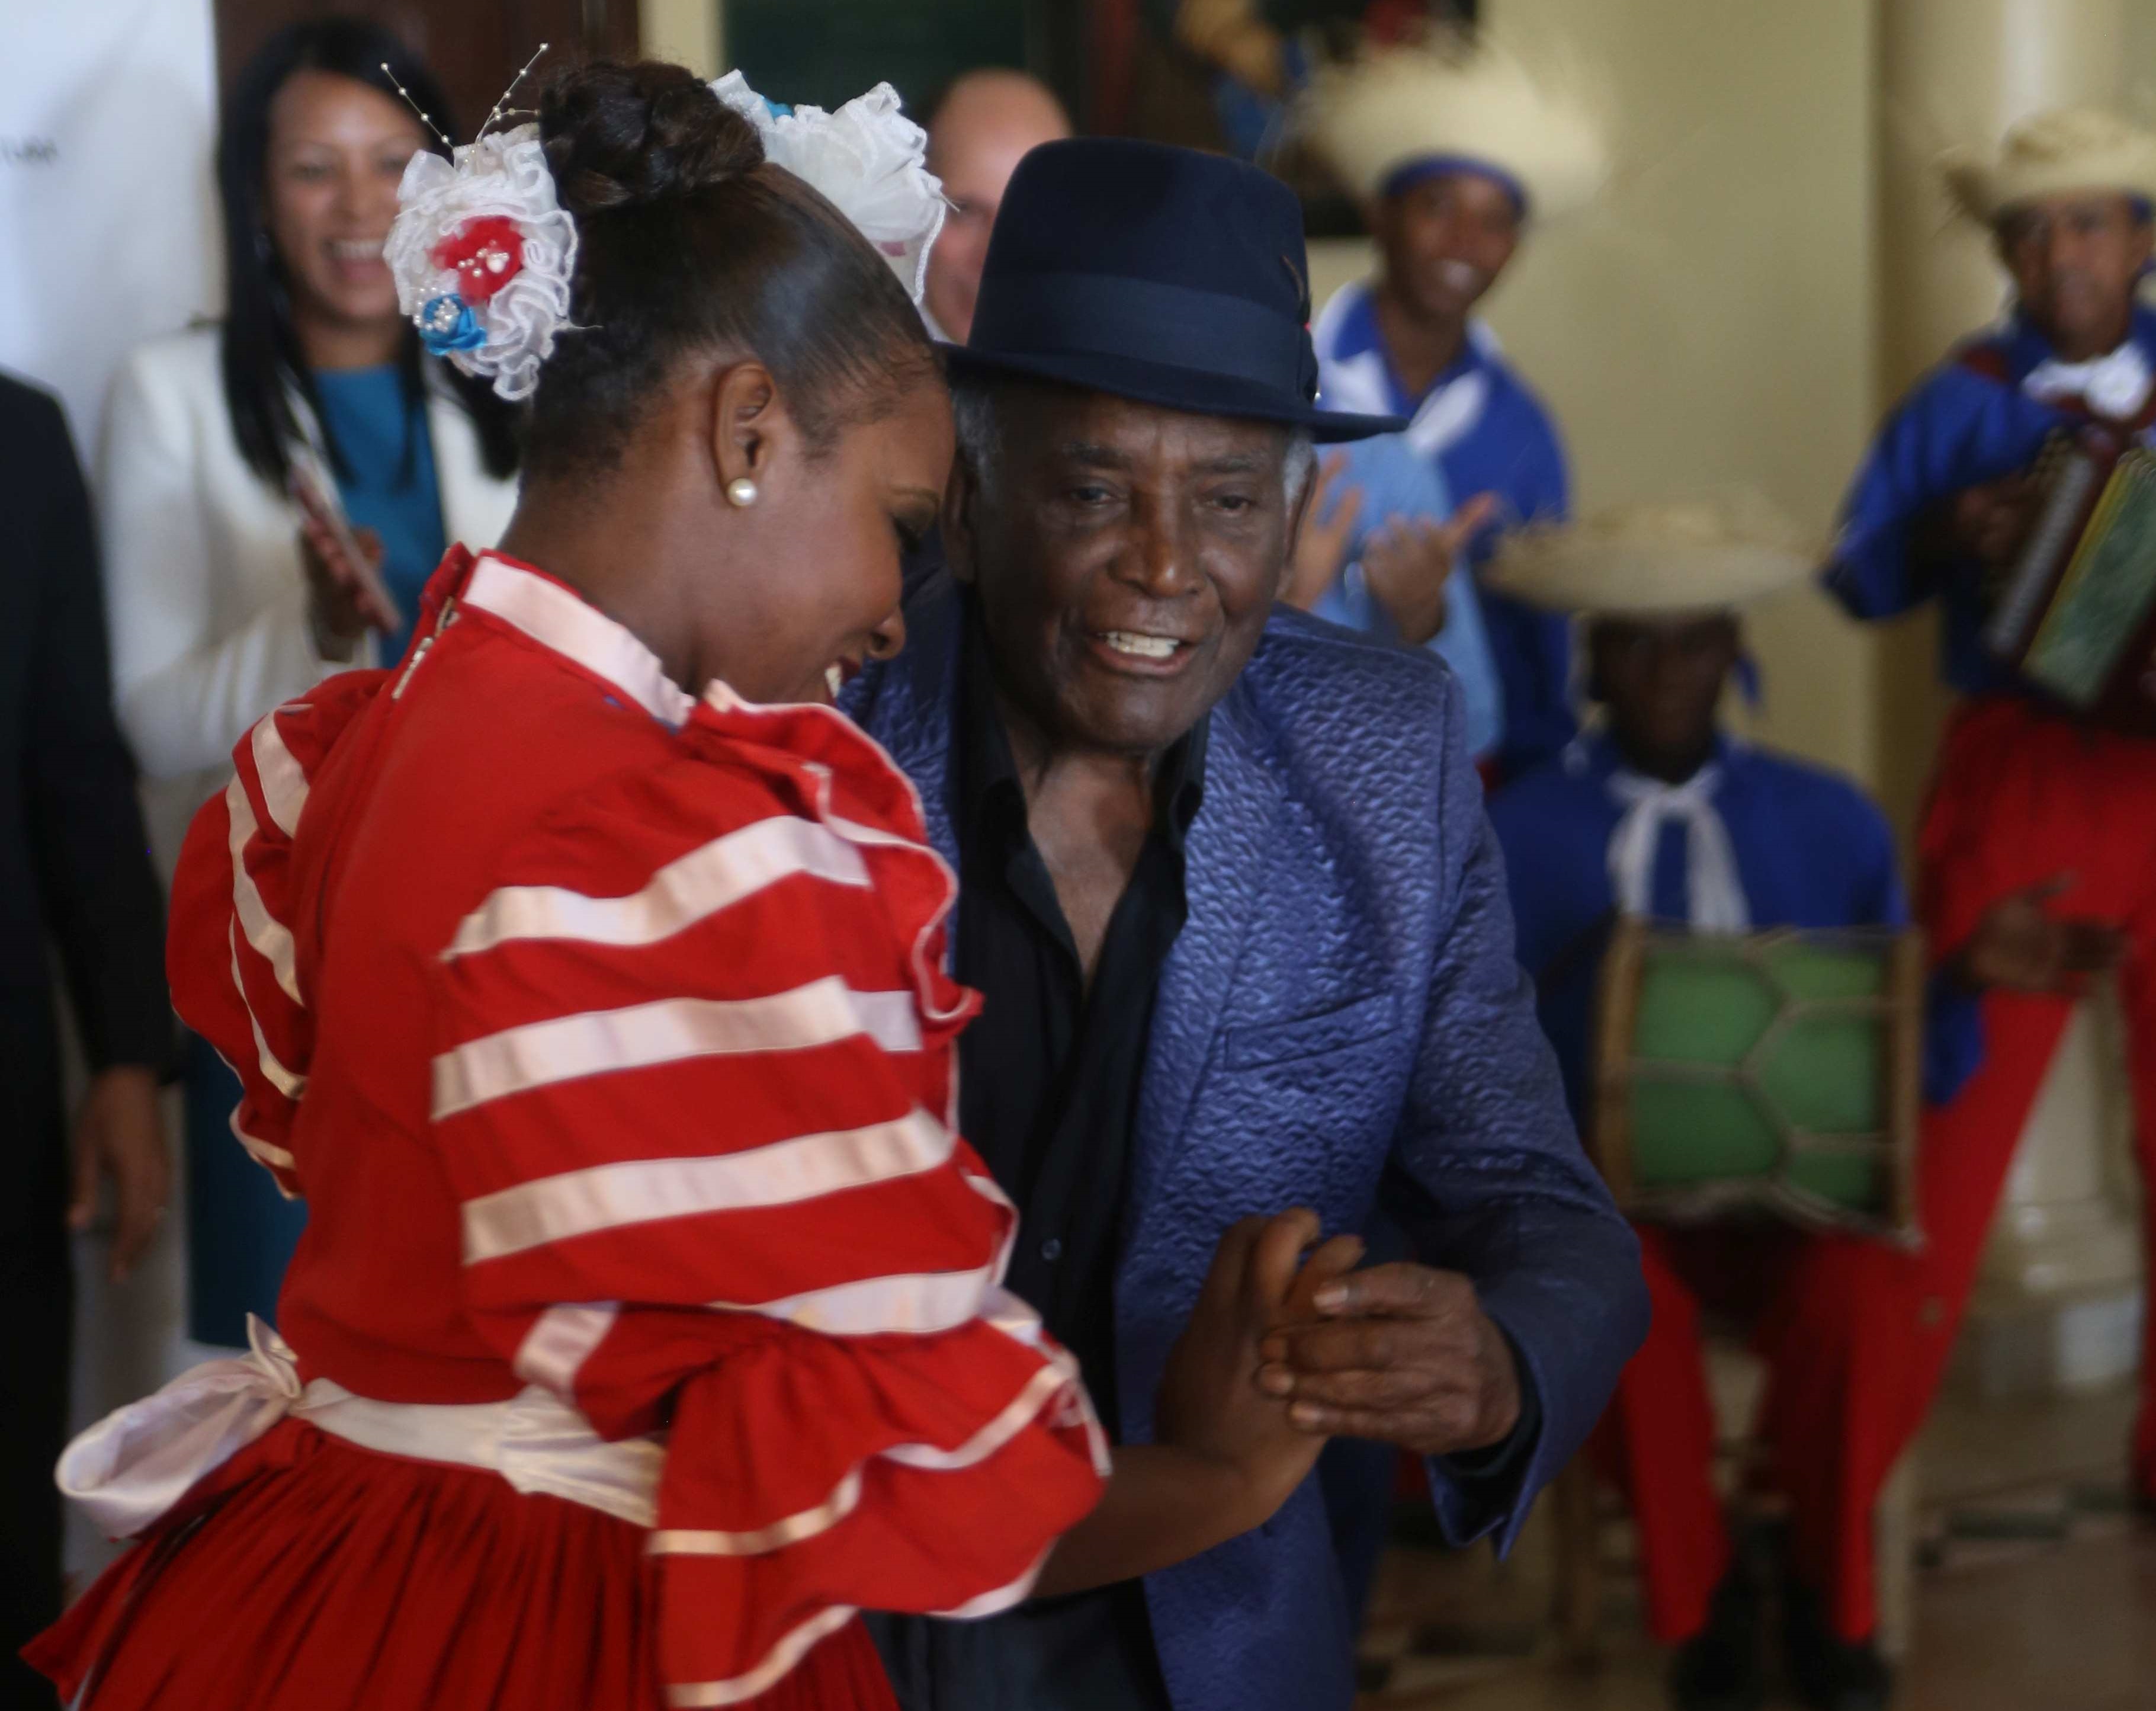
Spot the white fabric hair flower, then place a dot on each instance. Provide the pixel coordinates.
(483, 256)
(867, 159)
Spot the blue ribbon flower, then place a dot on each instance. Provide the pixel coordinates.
(448, 323)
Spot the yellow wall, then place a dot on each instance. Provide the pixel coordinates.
(1712, 321)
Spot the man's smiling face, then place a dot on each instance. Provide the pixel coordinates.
(1125, 556)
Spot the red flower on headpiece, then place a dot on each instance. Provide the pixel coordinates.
(485, 254)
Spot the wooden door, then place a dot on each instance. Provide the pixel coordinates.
(475, 46)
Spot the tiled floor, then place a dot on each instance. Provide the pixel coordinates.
(2035, 1590)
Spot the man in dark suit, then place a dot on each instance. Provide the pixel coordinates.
(75, 873)
(1227, 885)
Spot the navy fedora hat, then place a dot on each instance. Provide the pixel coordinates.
(1157, 274)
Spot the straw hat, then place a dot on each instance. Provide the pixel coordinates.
(2055, 153)
(1446, 100)
(1694, 556)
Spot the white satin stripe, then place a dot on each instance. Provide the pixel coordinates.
(707, 880)
(685, 1541)
(283, 782)
(271, 1158)
(263, 931)
(668, 1030)
(780, 1659)
(917, 1305)
(1046, 1384)
(1002, 1598)
(561, 1339)
(552, 616)
(291, 1084)
(609, 1196)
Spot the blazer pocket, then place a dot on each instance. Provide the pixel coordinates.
(1365, 1019)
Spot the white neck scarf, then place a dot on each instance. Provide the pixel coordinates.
(1715, 900)
(2115, 385)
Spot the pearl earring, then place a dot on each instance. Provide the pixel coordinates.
(742, 491)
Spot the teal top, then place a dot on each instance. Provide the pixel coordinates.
(389, 482)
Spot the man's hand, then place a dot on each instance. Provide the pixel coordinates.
(2019, 946)
(1989, 523)
(1408, 563)
(1321, 547)
(1403, 1354)
(121, 1133)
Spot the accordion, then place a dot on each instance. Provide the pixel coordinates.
(2075, 614)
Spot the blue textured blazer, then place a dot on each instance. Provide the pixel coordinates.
(1342, 1008)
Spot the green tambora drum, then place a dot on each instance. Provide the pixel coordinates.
(1782, 1072)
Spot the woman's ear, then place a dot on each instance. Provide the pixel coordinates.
(749, 427)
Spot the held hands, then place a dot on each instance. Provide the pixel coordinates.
(121, 1133)
(1209, 1402)
(341, 608)
(1403, 1354)
(2021, 947)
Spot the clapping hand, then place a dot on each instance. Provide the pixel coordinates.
(342, 606)
(1407, 564)
(1321, 547)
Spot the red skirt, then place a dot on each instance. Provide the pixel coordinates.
(308, 1574)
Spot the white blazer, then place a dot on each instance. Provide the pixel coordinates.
(204, 592)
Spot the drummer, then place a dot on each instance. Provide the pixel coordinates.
(1658, 812)
(2021, 788)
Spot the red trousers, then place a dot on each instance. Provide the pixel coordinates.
(1856, 1335)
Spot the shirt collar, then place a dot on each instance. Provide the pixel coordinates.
(1348, 329)
(987, 775)
(2026, 347)
(563, 621)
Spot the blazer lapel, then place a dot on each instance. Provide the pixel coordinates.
(907, 705)
(1224, 885)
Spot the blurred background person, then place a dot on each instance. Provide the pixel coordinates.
(978, 133)
(1660, 814)
(2023, 788)
(1452, 150)
(221, 606)
(74, 870)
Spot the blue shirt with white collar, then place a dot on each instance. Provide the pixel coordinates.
(1982, 413)
(1479, 429)
(1810, 851)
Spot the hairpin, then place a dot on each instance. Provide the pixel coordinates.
(483, 253)
(867, 159)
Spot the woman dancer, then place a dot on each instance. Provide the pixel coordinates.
(222, 606)
(647, 1321)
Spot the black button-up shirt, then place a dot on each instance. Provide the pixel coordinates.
(1048, 1091)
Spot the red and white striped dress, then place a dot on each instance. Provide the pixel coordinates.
(608, 1034)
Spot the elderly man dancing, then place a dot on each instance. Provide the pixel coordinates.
(1240, 923)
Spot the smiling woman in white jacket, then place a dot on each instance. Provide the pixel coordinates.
(211, 611)
(220, 608)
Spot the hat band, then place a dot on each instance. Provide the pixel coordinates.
(1110, 315)
(1410, 173)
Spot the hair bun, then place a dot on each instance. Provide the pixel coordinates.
(622, 136)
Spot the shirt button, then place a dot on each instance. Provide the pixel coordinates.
(1051, 1249)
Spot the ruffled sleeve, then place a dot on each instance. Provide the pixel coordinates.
(231, 955)
(694, 1094)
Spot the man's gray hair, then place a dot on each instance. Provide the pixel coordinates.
(974, 408)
